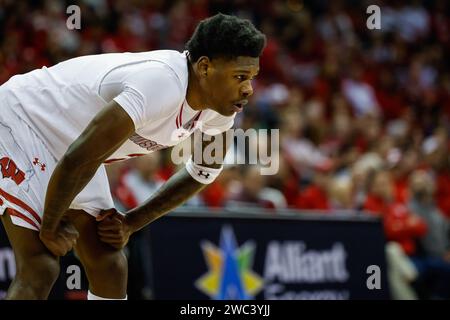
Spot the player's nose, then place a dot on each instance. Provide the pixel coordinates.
(247, 90)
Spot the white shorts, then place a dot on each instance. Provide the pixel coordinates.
(26, 166)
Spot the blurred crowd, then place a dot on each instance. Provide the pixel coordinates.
(363, 114)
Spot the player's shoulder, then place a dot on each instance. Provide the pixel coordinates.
(174, 60)
(165, 65)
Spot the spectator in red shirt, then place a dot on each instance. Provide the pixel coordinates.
(400, 224)
(315, 196)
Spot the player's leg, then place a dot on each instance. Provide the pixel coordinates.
(36, 268)
(106, 268)
(26, 166)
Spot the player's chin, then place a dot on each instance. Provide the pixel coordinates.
(229, 111)
(224, 112)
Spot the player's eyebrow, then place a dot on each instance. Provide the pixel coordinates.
(245, 71)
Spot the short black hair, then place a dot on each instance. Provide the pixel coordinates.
(225, 36)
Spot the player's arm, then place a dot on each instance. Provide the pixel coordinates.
(105, 133)
(182, 185)
(115, 229)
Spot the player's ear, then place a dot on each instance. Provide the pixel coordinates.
(203, 66)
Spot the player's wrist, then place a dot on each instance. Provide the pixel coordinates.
(48, 230)
(129, 224)
(47, 234)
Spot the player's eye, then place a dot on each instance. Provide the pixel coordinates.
(240, 77)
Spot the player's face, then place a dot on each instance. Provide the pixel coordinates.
(228, 84)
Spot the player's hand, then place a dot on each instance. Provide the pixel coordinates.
(61, 241)
(113, 228)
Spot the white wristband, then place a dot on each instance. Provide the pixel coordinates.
(202, 174)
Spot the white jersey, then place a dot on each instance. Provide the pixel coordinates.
(59, 102)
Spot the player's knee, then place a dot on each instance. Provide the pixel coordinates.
(39, 274)
(118, 262)
(114, 262)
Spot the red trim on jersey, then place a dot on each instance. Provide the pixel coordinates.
(195, 120)
(20, 203)
(180, 116)
(132, 155)
(113, 160)
(19, 215)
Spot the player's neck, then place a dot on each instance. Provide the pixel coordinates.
(193, 94)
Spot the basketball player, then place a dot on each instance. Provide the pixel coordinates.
(60, 125)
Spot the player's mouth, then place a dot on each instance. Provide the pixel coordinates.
(239, 105)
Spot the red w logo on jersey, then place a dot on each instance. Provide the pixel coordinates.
(9, 170)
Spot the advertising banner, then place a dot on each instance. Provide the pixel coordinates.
(229, 256)
(222, 257)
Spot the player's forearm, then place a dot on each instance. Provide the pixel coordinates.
(179, 188)
(67, 180)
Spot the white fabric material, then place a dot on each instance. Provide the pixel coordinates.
(21, 223)
(20, 144)
(91, 296)
(202, 174)
(60, 101)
